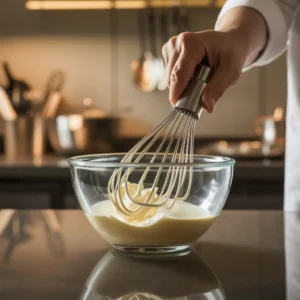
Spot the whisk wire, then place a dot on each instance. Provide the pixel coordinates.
(180, 171)
(114, 186)
(159, 170)
(186, 157)
(177, 132)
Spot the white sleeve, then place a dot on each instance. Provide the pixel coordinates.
(278, 15)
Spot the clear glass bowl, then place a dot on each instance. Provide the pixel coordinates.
(122, 277)
(169, 229)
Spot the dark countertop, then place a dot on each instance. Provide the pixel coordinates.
(51, 254)
(56, 167)
(256, 184)
(49, 166)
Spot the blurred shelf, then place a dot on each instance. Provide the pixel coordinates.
(56, 167)
(50, 166)
(27, 183)
(117, 4)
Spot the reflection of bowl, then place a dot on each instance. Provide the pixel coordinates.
(117, 276)
(167, 230)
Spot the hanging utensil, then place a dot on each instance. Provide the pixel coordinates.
(183, 17)
(139, 67)
(161, 68)
(175, 18)
(144, 69)
(151, 22)
(156, 61)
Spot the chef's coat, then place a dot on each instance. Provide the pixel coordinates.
(283, 21)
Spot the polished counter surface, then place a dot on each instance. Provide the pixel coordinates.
(50, 254)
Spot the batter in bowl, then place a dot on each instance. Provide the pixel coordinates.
(183, 224)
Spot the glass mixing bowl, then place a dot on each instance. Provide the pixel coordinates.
(153, 230)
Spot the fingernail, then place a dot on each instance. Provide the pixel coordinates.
(210, 104)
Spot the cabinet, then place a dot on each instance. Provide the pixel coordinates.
(262, 194)
(33, 193)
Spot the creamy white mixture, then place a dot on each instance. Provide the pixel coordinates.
(181, 225)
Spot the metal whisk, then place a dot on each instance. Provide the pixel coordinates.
(175, 144)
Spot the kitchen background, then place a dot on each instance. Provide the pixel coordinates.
(95, 48)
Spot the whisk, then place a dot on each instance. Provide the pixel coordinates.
(175, 139)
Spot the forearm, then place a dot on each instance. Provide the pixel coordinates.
(249, 27)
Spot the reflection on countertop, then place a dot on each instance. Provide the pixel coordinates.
(242, 256)
(16, 227)
(187, 277)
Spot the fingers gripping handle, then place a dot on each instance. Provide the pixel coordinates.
(190, 99)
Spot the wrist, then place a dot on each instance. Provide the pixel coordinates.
(248, 29)
(240, 41)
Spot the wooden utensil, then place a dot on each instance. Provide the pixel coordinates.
(6, 109)
(51, 107)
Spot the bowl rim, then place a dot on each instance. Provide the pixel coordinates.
(80, 161)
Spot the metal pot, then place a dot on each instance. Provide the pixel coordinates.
(77, 134)
(24, 137)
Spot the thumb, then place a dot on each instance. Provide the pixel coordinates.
(223, 77)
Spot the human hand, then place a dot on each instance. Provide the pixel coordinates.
(226, 53)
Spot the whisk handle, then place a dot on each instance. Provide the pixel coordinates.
(190, 99)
